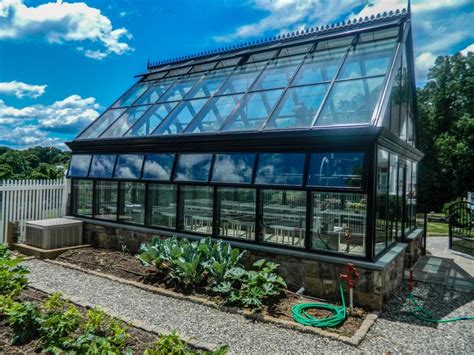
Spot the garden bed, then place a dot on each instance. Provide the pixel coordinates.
(125, 266)
(138, 340)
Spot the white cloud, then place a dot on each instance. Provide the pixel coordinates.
(59, 22)
(37, 124)
(291, 15)
(423, 63)
(21, 90)
(469, 48)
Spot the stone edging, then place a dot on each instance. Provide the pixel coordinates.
(354, 340)
(200, 345)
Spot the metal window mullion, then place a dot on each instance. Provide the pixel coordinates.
(331, 85)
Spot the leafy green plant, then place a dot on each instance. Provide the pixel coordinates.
(95, 320)
(60, 320)
(12, 275)
(25, 321)
(5, 302)
(251, 288)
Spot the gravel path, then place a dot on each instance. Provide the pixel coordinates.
(394, 331)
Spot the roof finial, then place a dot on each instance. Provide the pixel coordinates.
(409, 7)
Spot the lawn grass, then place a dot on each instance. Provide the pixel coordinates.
(437, 229)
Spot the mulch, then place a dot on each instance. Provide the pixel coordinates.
(127, 266)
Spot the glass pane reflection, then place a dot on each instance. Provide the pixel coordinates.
(158, 167)
(237, 212)
(197, 208)
(336, 170)
(102, 166)
(193, 167)
(233, 168)
(79, 165)
(280, 169)
(129, 166)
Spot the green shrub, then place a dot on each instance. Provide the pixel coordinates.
(251, 288)
(12, 275)
(96, 318)
(25, 321)
(173, 345)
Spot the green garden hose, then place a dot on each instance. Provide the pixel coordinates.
(421, 313)
(338, 316)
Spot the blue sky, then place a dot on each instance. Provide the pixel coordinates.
(62, 63)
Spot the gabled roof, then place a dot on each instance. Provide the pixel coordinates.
(316, 78)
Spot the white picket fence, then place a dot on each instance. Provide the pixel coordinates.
(28, 200)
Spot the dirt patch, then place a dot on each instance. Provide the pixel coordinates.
(127, 266)
(138, 341)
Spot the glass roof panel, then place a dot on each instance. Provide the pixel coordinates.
(278, 73)
(102, 165)
(280, 169)
(298, 108)
(242, 78)
(377, 35)
(180, 88)
(154, 92)
(368, 59)
(193, 167)
(333, 43)
(158, 167)
(336, 169)
(79, 166)
(319, 67)
(209, 84)
(100, 124)
(203, 67)
(228, 62)
(351, 102)
(214, 114)
(233, 168)
(253, 111)
(151, 119)
(123, 124)
(261, 56)
(294, 50)
(128, 166)
(178, 71)
(131, 95)
(179, 119)
(154, 76)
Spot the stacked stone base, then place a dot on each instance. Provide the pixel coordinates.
(319, 278)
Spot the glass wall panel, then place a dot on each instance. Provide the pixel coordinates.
(339, 222)
(193, 167)
(368, 59)
(298, 107)
(154, 92)
(381, 203)
(400, 195)
(132, 202)
(158, 167)
(209, 84)
(321, 66)
(214, 114)
(351, 102)
(336, 170)
(197, 208)
(253, 112)
(284, 217)
(132, 94)
(79, 165)
(180, 88)
(151, 119)
(280, 169)
(414, 177)
(128, 166)
(162, 205)
(179, 119)
(278, 73)
(408, 198)
(82, 197)
(393, 218)
(106, 199)
(242, 78)
(233, 168)
(237, 212)
(123, 124)
(99, 125)
(102, 166)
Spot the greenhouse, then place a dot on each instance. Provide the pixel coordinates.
(302, 142)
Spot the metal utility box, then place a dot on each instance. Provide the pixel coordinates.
(53, 233)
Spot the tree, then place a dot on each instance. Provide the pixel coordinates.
(446, 130)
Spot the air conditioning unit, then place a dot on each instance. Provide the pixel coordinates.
(53, 233)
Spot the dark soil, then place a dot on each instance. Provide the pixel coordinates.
(138, 341)
(127, 266)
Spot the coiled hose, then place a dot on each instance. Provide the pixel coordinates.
(425, 315)
(338, 316)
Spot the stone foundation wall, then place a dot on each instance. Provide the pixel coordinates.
(319, 278)
(414, 249)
